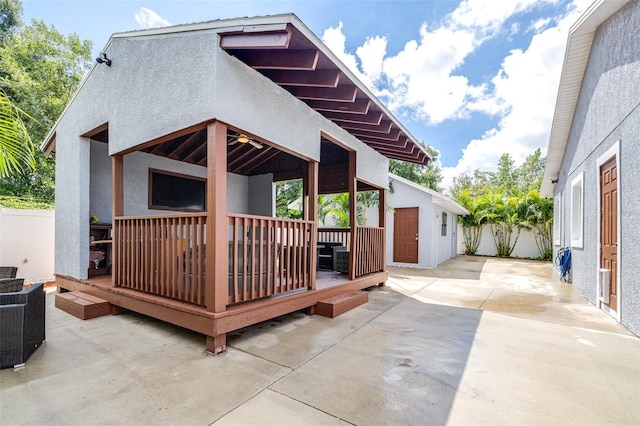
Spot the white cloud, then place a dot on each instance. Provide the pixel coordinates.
(423, 79)
(147, 18)
(526, 86)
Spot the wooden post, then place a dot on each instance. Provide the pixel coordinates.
(117, 209)
(312, 215)
(353, 223)
(217, 257)
(382, 223)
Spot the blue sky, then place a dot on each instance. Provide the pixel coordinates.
(472, 78)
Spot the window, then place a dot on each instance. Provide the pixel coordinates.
(444, 224)
(173, 191)
(557, 217)
(577, 211)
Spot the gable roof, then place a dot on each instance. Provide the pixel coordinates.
(437, 198)
(576, 56)
(283, 49)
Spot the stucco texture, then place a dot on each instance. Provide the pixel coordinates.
(159, 84)
(608, 114)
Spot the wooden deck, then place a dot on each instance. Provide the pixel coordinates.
(197, 318)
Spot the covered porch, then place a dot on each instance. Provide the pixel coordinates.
(261, 266)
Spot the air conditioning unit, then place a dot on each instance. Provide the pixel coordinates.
(604, 285)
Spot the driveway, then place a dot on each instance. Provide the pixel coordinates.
(475, 341)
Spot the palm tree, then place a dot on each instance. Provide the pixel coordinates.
(501, 213)
(471, 223)
(536, 214)
(17, 152)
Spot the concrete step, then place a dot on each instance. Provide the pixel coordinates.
(82, 305)
(336, 305)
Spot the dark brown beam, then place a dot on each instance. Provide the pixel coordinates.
(392, 136)
(317, 78)
(389, 144)
(261, 158)
(383, 127)
(372, 117)
(359, 106)
(198, 152)
(283, 59)
(340, 93)
(180, 149)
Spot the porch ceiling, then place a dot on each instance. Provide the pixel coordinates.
(245, 159)
(314, 75)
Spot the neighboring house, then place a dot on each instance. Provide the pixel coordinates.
(175, 139)
(593, 160)
(421, 229)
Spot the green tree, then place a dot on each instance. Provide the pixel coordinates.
(471, 223)
(10, 12)
(529, 175)
(499, 210)
(287, 194)
(429, 176)
(40, 70)
(536, 215)
(16, 148)
(504, 178)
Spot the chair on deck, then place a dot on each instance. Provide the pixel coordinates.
(8, 280)
(8, 272)
(22, 324)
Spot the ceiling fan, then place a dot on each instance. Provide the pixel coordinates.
(242, 138)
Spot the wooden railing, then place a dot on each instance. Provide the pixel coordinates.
(335, 235)
(276, 254)
(166, 256)
(370, 246)
(163, 255)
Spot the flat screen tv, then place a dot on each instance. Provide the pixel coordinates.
(174, 191)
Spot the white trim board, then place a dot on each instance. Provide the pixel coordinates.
(614, 150)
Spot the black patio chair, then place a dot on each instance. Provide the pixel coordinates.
(10, 285)
(22, 325)
(8, 272)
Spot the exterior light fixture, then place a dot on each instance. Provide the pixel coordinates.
(102, 59)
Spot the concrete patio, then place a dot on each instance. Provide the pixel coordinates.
(476, 341)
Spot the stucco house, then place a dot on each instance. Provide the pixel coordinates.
(421, 229)
(174, 141)
(593, 159)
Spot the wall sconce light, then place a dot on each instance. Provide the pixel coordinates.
(102, 59)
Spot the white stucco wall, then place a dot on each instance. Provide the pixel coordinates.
(406, 196)
(28, 241)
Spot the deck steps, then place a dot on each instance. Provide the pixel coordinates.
(336, 305)
(82, 305)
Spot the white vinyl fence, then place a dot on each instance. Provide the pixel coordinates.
(27, 240)
(526, 246)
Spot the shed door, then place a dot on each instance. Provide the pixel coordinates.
(405, 235)
(609, 226)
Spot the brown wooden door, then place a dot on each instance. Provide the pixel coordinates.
(405, 235)
(609, 226)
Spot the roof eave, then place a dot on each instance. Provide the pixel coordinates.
(576, 56)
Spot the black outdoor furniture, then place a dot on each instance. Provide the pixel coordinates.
(8, 272)
(326, 254)
(21, 324)
(11, 285)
